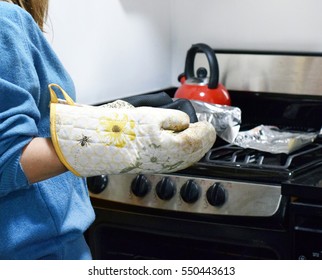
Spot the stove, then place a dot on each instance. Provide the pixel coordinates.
(234, 162)
(235, 203)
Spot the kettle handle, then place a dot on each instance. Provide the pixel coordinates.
(212, 60)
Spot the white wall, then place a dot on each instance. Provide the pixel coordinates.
(112, 48)
(280, 25)
(117, 48)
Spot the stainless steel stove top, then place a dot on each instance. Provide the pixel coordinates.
(232, 181)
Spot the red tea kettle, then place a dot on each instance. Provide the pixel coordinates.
(201, 87)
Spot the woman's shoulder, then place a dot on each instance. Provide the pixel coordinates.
(16, 23)
(12, 13)
(10, 9)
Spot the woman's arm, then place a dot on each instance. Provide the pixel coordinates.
(40, 161)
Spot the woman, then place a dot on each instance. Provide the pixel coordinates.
(44, 209)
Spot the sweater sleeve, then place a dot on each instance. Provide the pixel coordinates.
(19, 95)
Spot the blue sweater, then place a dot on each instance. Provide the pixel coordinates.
(36, 220)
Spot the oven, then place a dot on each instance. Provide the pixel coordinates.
(235, 203)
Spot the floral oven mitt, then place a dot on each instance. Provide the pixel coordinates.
(115, 139)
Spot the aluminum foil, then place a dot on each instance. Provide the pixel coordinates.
(225, 119)
(273, 140)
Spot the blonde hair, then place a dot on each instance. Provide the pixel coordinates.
(37, 8)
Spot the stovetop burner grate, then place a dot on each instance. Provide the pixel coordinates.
(233, 162)
(237, 156)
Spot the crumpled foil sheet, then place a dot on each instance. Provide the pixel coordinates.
(273, 140)
(227, 122)
(225, 119)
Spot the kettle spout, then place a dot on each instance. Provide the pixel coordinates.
(182, 78)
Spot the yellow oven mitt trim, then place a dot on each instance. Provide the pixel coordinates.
(53, 102)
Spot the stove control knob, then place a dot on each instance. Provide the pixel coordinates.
(97, 184)
(166, 188)
(216, 194)
(190, 191)
(140, 186)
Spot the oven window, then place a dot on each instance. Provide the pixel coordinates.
(108, 242)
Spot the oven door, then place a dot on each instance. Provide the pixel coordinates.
(130, 232)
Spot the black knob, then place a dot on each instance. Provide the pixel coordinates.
(216, 194)
(140, 185)
(202, 73)
(190, 191)
(97, 184)
(166, 188)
